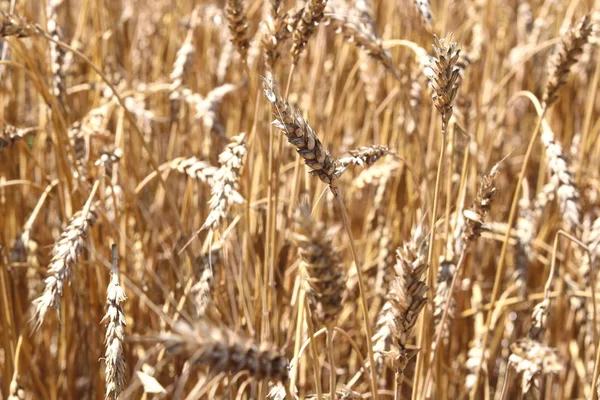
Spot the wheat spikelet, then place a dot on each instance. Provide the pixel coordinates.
(300, 134)
(591, 238)
(192, 167)
(115, 334)
(475, 216)
(406, 299)
(64, 254)
(424, 9)
(445, 274)
(363, 156)
(226, 181)
(524, 252)
(565, 57)
(184, 54)
(15, 391)
(532, 359)
(222, 350)
(278, 28)
(311, 17)
(561, 178)
(443, 76)
(375, 174)
(209, 265)
(11, 134)
(66, 250)
(207, 107)
(359, 34)
(238, 26)
(57, 53)
(14, 25)
(322, 264)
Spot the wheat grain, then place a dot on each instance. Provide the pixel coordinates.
(565, 57)
(222, 350)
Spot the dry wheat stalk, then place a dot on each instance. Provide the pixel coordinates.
(406, 299)
(563, 59)
(359, 34)
(226, 181)
(11, 134)
(322, 265)
(238, 26)
(222, 350)
(300, 134)
(57, 53)
(14, 25)
(561, 178)
(115, 334)
(532, 359)
(311, 17)
(443, 76)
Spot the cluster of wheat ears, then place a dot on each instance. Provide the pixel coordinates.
(309, 199)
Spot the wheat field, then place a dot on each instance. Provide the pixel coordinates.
(308, 199)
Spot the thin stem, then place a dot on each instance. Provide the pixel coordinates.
(361, 287)
(331, 363)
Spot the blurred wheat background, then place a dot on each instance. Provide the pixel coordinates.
(299, 199)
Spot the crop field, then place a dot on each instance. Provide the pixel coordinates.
(299, 199)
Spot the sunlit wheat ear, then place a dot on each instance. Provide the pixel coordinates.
(300, 134)
(209, 266)
(221, 350)
(405, 300)
(533, 359)
(322, 265)
(11, 134)
(14, 25)
(443, 75)
(207, 107)
(65, 252)
(424, 10)
(539, 318)
(363, 156)
(226, 182)
(184, 56)
(524, 252)
(561, 178)
(565, 57)
(194, 168)
(278, 29)
(238, 26)
(591, 238)
(446, 271)
(475, 216)
(309, 20)
(358, 34)
(115, 334)
(57, 53)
